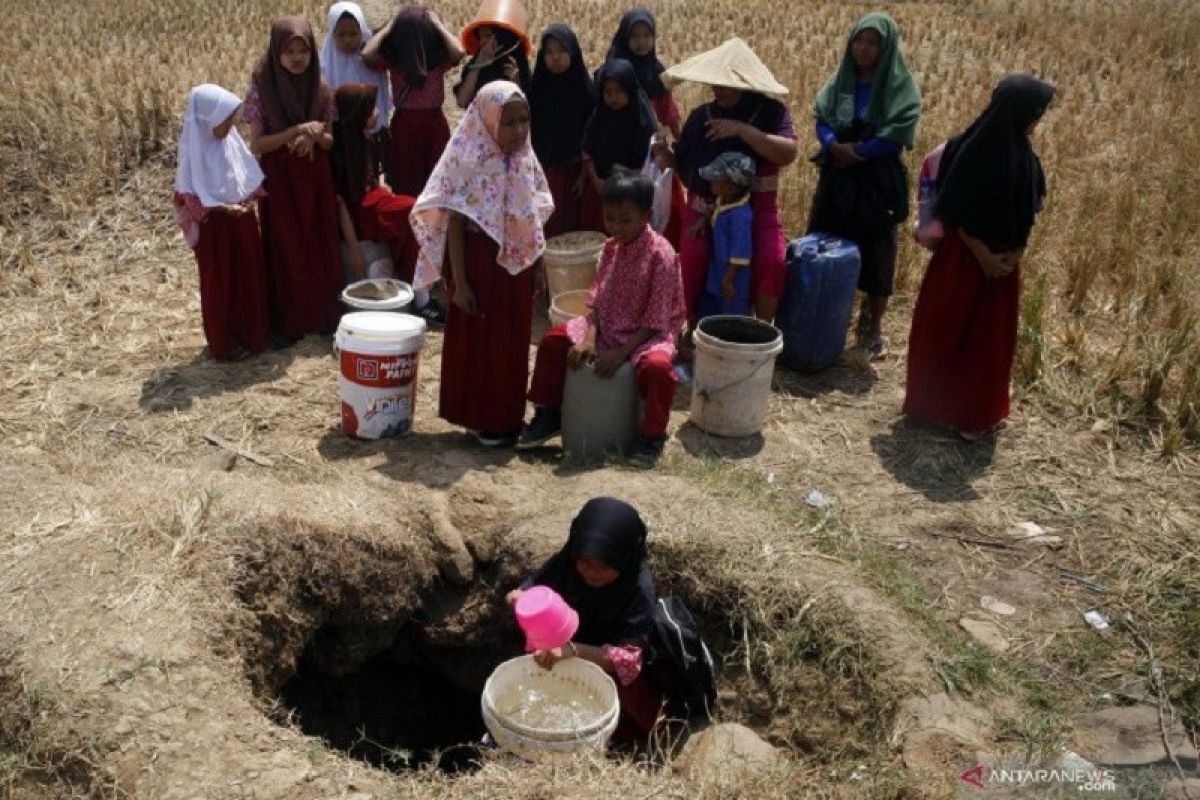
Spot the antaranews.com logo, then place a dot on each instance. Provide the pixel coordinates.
(1085, 780)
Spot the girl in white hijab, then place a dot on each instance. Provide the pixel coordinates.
(346, 33)
(216, 185)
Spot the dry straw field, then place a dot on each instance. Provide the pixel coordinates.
(156, 593)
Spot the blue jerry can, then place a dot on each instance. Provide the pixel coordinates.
(822, 274)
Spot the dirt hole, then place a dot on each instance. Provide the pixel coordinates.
(394, 710)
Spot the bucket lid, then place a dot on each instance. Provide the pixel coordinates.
(381, 325)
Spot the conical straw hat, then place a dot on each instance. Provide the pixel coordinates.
(731, 64)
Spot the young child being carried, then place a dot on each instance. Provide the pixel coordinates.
(727, 290)
(636, 313)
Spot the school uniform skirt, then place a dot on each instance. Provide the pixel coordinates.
(419, 135)
(562, 179)
(964, 336)
(233, 284)
(485, 357)
(300, 238)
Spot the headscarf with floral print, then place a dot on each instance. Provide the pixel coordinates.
(505, 195)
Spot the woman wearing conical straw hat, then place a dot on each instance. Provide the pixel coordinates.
(745, 116)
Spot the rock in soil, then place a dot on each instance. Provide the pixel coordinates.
(1175, 789)
(937, 730)
(218, 461)
(723, 752)
(1129, 737)
(987, 633)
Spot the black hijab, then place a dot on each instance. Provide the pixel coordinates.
(508, 44)
(619, 137)
(990, 182)
(560, 105)
(610, 531)
(414, 46)
(694, 149)
(649, 69)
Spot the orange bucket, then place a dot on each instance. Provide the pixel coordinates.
(508, 14)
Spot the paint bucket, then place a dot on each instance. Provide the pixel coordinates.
(567, 306)
(377, 294)
(508, 14)
(378, 353)
(735, 362)
(571, 260)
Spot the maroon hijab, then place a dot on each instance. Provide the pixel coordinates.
(289, 99)
(352, 167)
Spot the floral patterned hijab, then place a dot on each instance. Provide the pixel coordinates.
(505, 195)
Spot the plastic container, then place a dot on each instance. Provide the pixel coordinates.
(822, 275)
(571, 260)
(567, 306)
(543, 744)
(600, 416)
(393, 295)
(508, 14)
(546, 619)
(735, 362)
(379, 353)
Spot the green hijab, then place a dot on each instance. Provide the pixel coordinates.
(895, 105)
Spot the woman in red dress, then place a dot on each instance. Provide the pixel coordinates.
(480, 220)
(216, 183)
(289, 109)
(964, 332)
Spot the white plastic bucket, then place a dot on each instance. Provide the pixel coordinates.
(578, 675)
(378, 353)
(568, 305)
(571, 260)
(393, 295)
(600, 415)
(735, 362)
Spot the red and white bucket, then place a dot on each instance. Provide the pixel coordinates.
(379, 353)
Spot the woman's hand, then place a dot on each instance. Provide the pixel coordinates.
(546, 659)
(302, 146)
(995, 265)
(580, 354)
(358, 263)
(512, 597)
(608, 362)
(663, 156)
(725, 129)
(844, 155)
(511, 73)
(696, 230)
(464, 298)
(487, 51)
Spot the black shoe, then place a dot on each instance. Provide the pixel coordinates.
(496, 439)
(648, 450)
(433, 314)
(545, 425)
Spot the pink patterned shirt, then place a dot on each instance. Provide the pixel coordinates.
(626, 660)
(638, 285)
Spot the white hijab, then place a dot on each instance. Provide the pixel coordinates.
(340, 69)
(218, 171)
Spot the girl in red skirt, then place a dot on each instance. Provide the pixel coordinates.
(289, 109)
(561, 99)
(366, 210)
(964, 332)
(617, 136)
(602, 573)
(417, 51)
(215, 185)
(479, 222)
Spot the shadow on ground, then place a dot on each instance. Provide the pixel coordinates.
(935, 462)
